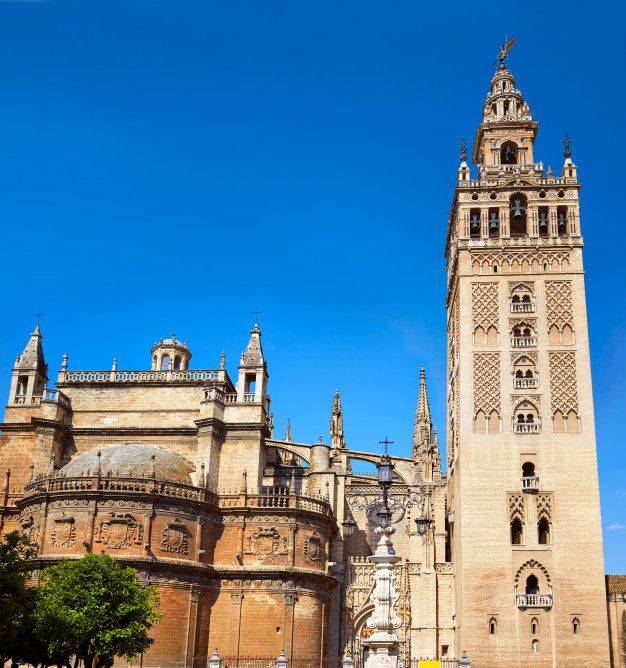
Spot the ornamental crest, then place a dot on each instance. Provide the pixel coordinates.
(266, 542)
(118, 531)
(28, 525)
(175, 537)
(64, 532)
(313, 547)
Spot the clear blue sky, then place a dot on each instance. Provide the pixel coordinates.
(175, 165)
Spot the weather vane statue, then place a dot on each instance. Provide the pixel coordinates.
(505, 49)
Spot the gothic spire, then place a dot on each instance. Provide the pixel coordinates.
(288, 438)
(336, 423)
(32, 358)
(422, 428)
(253, 354)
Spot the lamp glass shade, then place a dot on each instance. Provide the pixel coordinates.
(385, 471)
(349, 526)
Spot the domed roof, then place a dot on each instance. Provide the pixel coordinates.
(132, 460)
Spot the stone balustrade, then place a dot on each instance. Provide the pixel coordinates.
(524, 341)
(48, 395)
(522, 307)
(533, 600)
(114, 376)
(530, 483)
(526, 427)
(274, 501)
(525, 383)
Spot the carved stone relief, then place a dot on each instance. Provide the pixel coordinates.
(487, 383)
(313, 547)
(563, 385)
(64, 532)
(266, 542)
(119, 531)
(175, 537)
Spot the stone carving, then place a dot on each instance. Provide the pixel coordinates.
(563, 386)
(266, 542)
(487, 383)
(175, 537)
(544, 506)
(29, 527)
(559, 304)
(64, 532)
(485, 305)
(517, 507)
(313, 547)
(520, 261)
(366, 499)
(119, 531)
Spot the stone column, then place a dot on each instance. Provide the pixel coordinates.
(384, 643)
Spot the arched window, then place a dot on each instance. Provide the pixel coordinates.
(543, 531)
(535, 646)
(517, 532)
(575, 626)
(177, 361)
(165, 362)
(528, 469)
(508, 153)
(493, 625)
(518, 209)
(534, 626)
(532, 585)
(475, 231)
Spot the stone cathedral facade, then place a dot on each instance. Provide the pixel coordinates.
(177, 471)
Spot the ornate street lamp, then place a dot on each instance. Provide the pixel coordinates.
(349, 525)
(385, 478)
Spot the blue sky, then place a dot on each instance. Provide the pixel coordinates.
(176, 165)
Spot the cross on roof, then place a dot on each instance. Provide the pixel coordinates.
(39, 315)
(257, 315)
(385, 442)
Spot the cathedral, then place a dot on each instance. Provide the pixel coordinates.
(259, 544)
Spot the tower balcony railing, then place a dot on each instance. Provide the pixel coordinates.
(133, 376)
(530, 483)
(526, 427)
(525, 383)
(522, 307)
(524, 341)
(48, 394)
(533, 600)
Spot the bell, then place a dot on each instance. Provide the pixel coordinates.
(517, 210)
(561, 220)
(475, 221)
(493, 221)
(543, 220)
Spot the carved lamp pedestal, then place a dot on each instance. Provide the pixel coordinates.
(384, 644)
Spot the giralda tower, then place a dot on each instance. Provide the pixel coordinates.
(523, 500)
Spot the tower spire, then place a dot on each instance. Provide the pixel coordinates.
(422, 428)
(288, 437)
(30, 373)
(336, 423)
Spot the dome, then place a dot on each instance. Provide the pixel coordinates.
(133, 461)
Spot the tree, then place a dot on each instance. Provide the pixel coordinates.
(16, 599)
(95, 609)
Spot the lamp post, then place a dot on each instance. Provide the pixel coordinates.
(384, 621)
(424, 523)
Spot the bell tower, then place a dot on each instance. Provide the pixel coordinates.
(523, 499)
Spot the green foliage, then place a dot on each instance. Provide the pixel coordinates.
(96, 609)
(16, 599)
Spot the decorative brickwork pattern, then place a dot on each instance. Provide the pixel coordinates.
(544, 506)
(485, 305)
(487, 383)
(559, 303)
(563, 386)
(517, 507)
(520, 261)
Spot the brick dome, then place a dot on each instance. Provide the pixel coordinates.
(132, 460)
